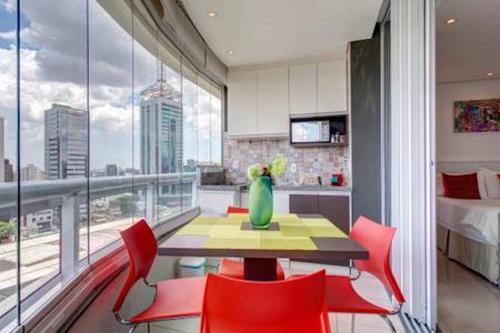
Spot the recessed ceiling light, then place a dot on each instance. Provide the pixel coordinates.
(490, 74)
(451, 20)
(212, 14)
(230, 52)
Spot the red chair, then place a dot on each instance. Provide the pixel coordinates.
(233, 210)
(340, 293)
(239, 306)
(173, 298)
(235, 269)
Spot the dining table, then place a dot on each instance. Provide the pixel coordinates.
(293, 236)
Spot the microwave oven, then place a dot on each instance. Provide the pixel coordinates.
(309, 131)
(317, 131)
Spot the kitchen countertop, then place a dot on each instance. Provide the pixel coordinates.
(285, 188)
(311, 188)
(238, 187)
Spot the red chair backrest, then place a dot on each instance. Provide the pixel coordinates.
(239, 306)
(141, 246)
(233, 209)
(377, 239)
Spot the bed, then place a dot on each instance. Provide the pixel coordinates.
(468, 232)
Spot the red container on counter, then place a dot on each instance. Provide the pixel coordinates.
(337, 179)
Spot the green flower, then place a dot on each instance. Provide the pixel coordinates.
(279, 165)
(254, 171)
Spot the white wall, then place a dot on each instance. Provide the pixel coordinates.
(465, 146)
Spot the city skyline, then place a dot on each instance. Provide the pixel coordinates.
(50, 76)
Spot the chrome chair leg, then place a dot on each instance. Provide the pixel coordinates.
(389, 323)
(132, 329)
(353, 323)
(149, 328)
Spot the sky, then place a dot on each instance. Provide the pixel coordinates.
(54, 70)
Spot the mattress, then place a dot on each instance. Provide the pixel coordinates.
(474, 219)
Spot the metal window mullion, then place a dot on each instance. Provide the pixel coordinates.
(70, 236)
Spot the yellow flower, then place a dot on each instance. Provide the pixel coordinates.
(279, 165)
(254, 171)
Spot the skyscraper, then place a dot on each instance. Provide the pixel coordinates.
(65, 142)
(111, 170)
(32, 172)
(8, 171)
(161, 129)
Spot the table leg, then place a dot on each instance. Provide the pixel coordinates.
(260, 269)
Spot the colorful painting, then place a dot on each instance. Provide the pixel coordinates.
(477, 116)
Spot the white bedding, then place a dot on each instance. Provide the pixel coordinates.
(474, 219)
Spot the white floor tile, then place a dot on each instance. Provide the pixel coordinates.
(367, 285)
(466, 301)
(183, 325)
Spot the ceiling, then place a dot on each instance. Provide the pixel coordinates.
(470, 47)
(264, 31)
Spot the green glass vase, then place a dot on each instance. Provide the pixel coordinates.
(261, 202)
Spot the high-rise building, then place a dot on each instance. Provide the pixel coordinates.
(111, 170)
(32, 172)
(65, 142)
(8, 171)
(2, 151)
(161, 129)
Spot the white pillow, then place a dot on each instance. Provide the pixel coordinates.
(439, 184)
(492, 183)
(481, 183)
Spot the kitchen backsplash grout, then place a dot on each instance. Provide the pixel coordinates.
(304, 164)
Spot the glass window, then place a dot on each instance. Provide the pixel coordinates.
(216, 124)
(167, 103)
(204, 119)
(111, 129)
(53, 136)
(146, 70)
(190, 133)
(8, 157)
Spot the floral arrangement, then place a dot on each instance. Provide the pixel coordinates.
(275, 169)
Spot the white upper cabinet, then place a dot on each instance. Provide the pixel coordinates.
(303, 89)
(261, 101)
(272, 101)
(332, 87)
(242, 103)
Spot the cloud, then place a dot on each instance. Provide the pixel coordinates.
(113, 120)
(54, 70)
(8, 35)
(8, 5)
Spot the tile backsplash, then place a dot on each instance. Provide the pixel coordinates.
(304, 164)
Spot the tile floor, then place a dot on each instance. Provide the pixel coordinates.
(367, 286)
(466, 301)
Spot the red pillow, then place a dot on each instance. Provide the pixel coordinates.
(461, 186)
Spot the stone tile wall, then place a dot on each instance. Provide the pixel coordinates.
(304, 164)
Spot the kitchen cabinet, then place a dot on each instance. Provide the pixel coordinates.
(336, 208)
(303, 89)
(272, 101)
(332, 87)
(242, 103)
(261, 101)
(304, 204)
(216, 202)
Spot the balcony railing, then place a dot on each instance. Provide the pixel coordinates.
(68, 196)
